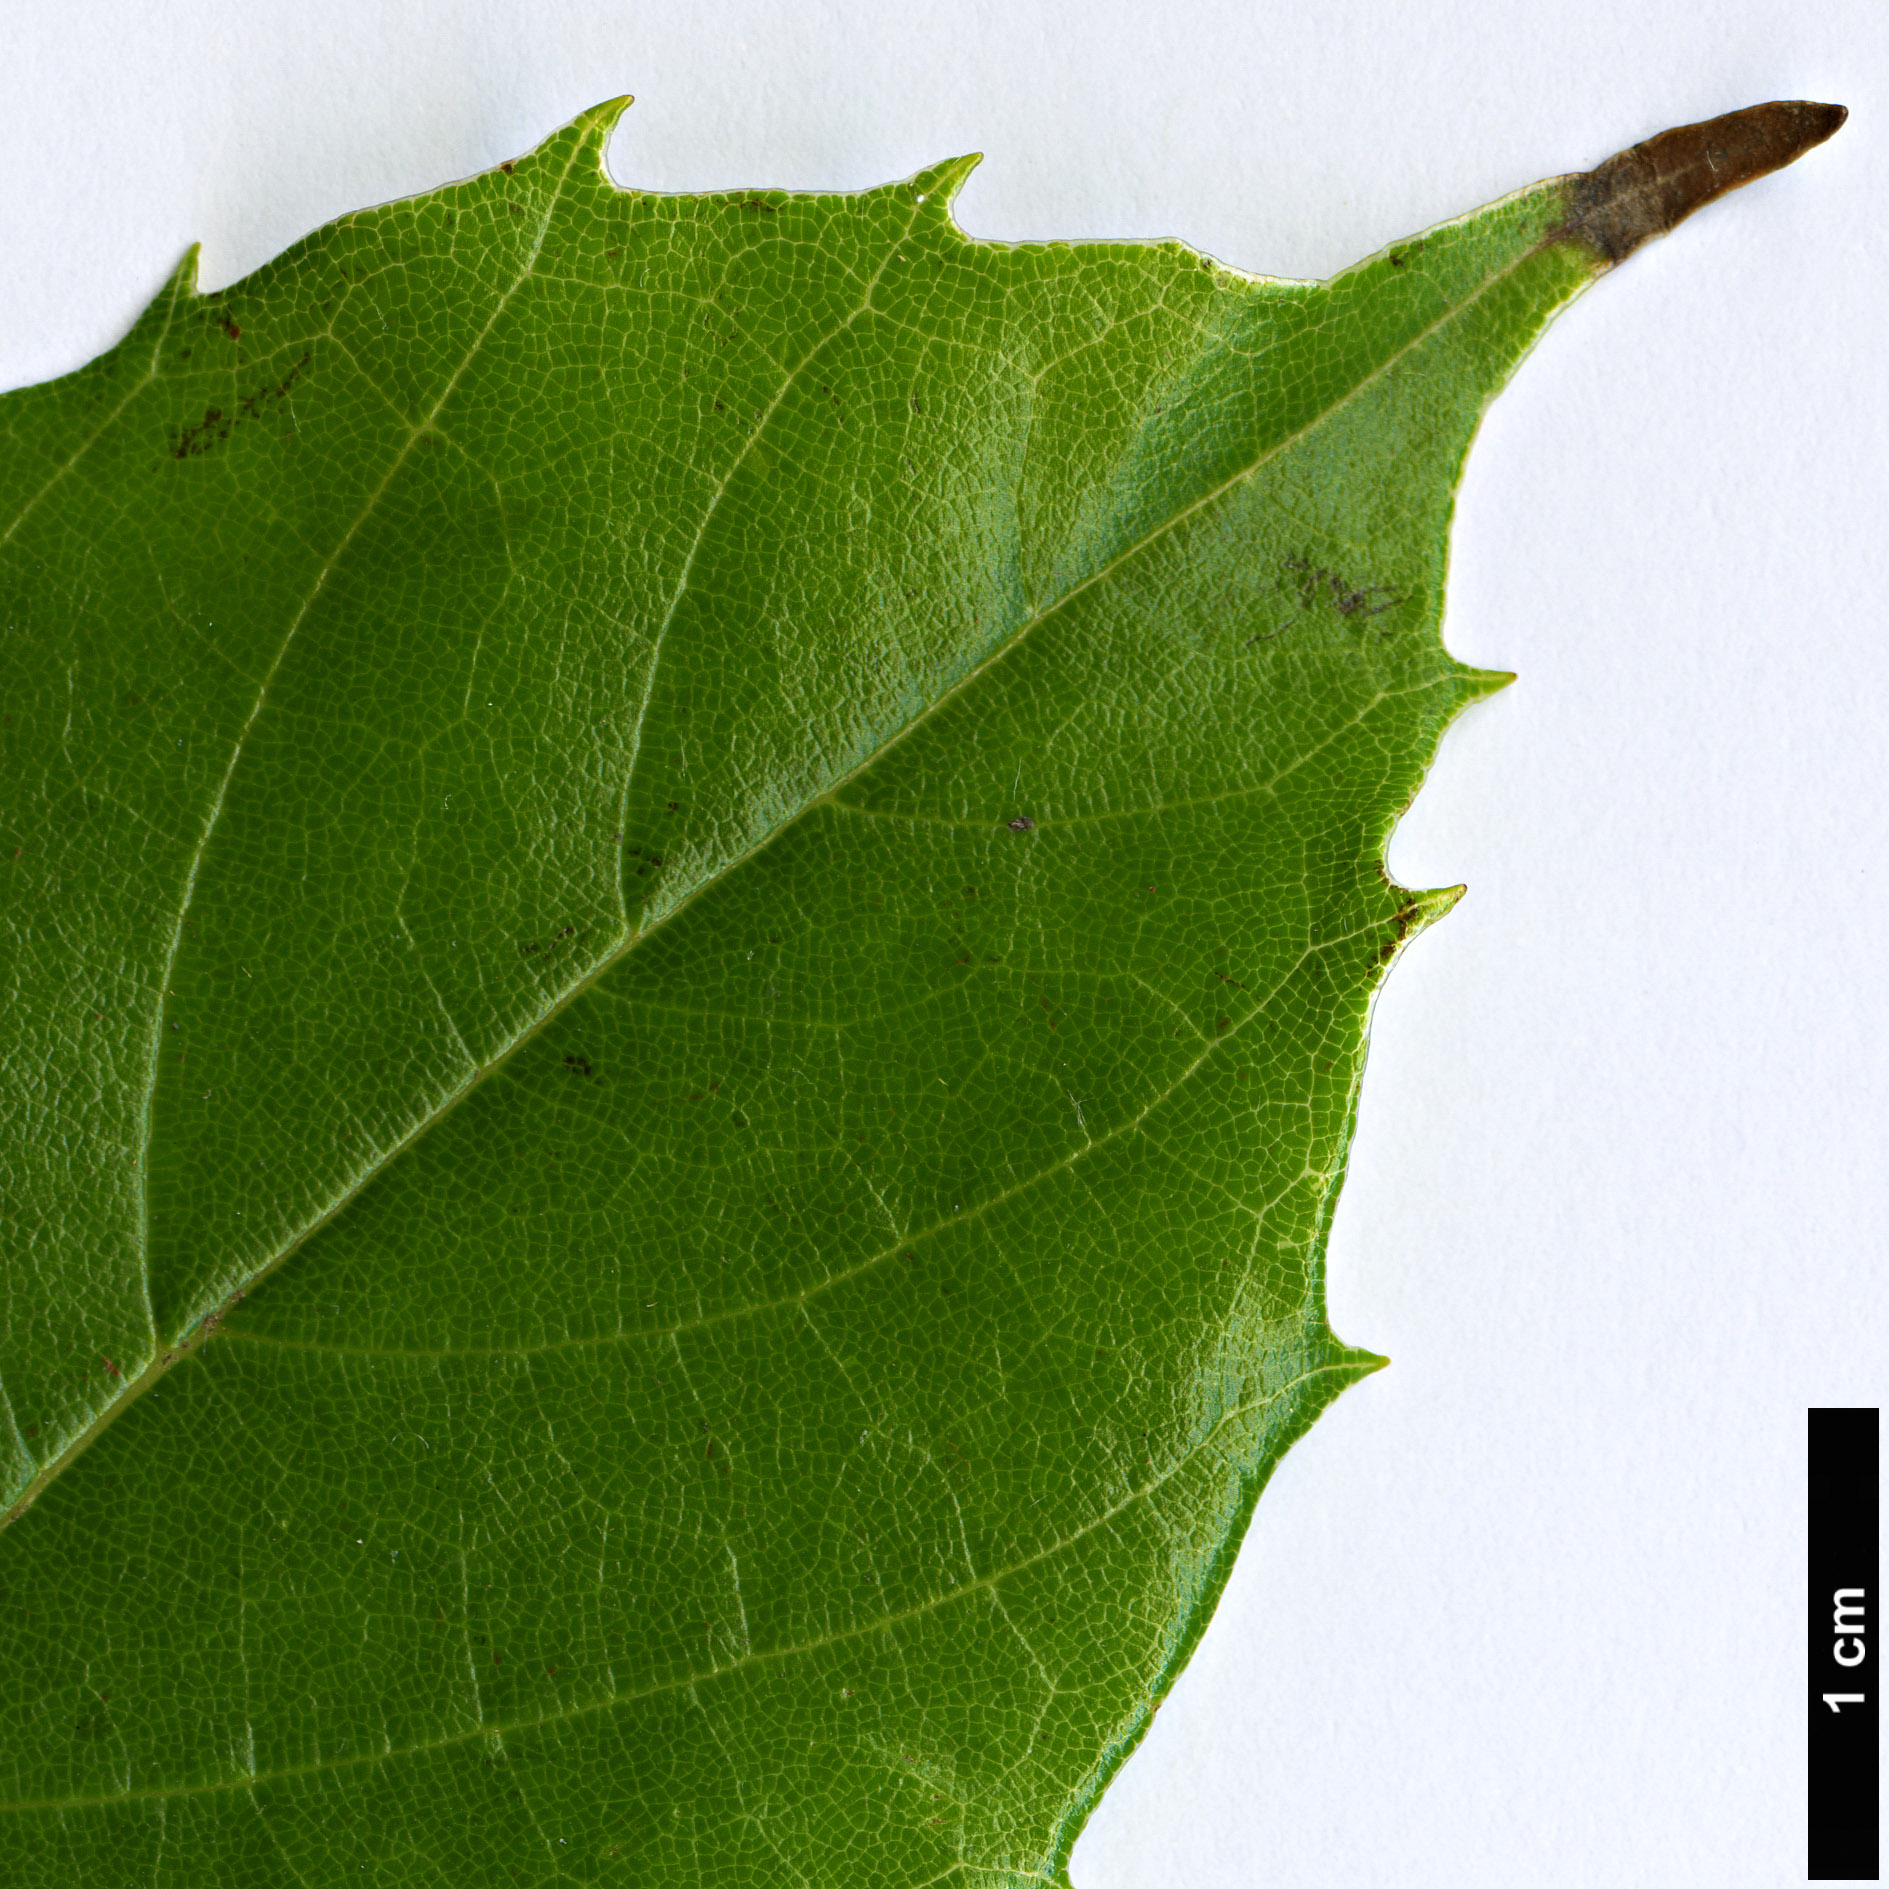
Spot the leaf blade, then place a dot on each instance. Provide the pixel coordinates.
(898, 880)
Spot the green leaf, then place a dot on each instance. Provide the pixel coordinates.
(694, 884)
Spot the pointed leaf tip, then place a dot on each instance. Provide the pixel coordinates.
(597, 124)
(1648, 190)
(940, 183)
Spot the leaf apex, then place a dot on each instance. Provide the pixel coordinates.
(1353, 1363)
(183, 279)
(1421, 910)
(1653, 187)
(589, 131)
(939, 184)
(603, 119)
(1478, 683)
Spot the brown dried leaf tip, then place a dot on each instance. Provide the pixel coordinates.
(1650, 189)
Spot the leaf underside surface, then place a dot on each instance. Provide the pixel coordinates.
(693, 887)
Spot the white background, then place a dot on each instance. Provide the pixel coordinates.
(1526, 1608)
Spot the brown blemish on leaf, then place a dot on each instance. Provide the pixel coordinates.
(216, 426)
(213, 1323)
(1650, 189)
(209, 431)
(1313, 581)
(1401, 921)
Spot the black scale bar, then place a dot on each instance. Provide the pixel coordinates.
(1845, 1627)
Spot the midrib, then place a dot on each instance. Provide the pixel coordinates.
(205, 1323)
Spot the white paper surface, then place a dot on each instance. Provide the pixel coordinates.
(1525, 1608)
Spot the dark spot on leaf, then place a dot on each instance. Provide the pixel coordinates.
(216, 426)
(1315, 584)
(578, 1065)
(1023, 824)
(507, 168)
(201, 437)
